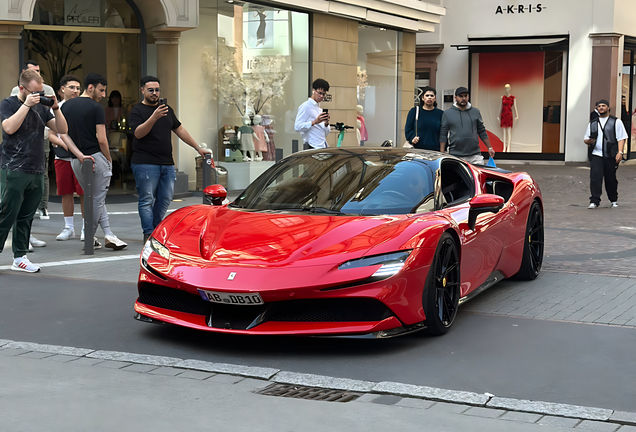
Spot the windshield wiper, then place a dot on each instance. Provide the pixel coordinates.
(322, 210)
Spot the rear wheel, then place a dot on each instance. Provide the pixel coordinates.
(441, 293)
(532, 245)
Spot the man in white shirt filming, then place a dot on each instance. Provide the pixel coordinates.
(311, 121)
(605, 137)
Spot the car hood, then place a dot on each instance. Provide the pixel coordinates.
(225, 236)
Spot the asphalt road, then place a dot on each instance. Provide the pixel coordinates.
(582, 364)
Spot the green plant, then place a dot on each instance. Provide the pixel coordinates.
(235, 144)
(60, 55)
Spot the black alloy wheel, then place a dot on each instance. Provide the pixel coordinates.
(441, 294)
(532, 245)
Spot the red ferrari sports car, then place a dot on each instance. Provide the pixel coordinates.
(343, 241)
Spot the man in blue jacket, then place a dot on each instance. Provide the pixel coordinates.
(462, 127)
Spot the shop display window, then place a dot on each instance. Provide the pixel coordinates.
(377, 91)
(520, 96)
(253, 65)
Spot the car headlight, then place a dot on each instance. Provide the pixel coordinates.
(391, 263)
(153, 245)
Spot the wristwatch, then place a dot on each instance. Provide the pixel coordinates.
(621, 152)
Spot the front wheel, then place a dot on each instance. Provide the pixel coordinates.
(441, 292)
(532, 245)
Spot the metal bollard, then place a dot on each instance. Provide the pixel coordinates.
(294, 146)
(89, 233)
(208, 173)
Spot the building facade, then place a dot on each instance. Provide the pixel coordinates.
(558, 56)
(222, 60)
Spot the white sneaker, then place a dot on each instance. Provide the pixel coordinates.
(30, 247)
(111, 241)
(592, 206)
(23, 264)
(66, 234)
(614, 204)
(82, 235)
(44, 214)
(36, 243)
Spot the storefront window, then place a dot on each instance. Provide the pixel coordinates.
(527, 84)
(627, 111)
(377, 83)
(244, 65)
(111, 50)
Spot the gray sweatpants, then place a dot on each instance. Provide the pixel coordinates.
(102, 173)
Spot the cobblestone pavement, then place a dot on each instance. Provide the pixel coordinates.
(589, 268)
(580, 240)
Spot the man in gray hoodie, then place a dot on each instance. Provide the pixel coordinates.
(462, 127)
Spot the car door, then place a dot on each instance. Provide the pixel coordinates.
(481, 247)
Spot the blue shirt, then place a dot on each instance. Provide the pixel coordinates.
(428, 126)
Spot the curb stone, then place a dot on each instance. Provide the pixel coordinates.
(431, 393)
(230, 369)
(134, 358)
(311, 380)
(550, 409)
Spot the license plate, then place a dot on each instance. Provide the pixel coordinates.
(234, 299)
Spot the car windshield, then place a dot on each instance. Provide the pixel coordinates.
(343, 183)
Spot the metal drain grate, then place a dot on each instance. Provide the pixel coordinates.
(309, 393)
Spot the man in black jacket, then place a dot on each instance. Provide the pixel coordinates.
(605, 137)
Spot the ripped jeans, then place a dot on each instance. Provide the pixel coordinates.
(155, 186)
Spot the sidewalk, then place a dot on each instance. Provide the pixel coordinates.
(67, 393)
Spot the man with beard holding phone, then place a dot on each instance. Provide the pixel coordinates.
(24, 118)
(152, 122)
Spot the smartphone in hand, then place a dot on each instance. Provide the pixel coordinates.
(163, 101)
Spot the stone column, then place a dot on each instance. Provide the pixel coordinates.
(167, 66)
(605, 69)
(10, 55)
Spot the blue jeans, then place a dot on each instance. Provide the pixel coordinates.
(155, 186)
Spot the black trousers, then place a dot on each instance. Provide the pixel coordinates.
(603, 168)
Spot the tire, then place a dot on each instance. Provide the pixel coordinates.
(442, 289)
(532, 245)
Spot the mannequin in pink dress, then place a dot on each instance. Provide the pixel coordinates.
(261, 145)
(268, 123)
(506, 106)
(364, 135)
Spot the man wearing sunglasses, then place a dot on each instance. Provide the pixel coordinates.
(152, 122)
(22, 163)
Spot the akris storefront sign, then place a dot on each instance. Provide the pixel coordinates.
(520, 9)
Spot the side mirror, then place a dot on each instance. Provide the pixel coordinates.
(215, 194)
(486, 203)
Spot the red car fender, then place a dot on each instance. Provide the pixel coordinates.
(164, 230)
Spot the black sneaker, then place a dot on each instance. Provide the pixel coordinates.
(44, 214)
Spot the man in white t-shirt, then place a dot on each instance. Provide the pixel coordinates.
(605, 137)
(67, 184)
